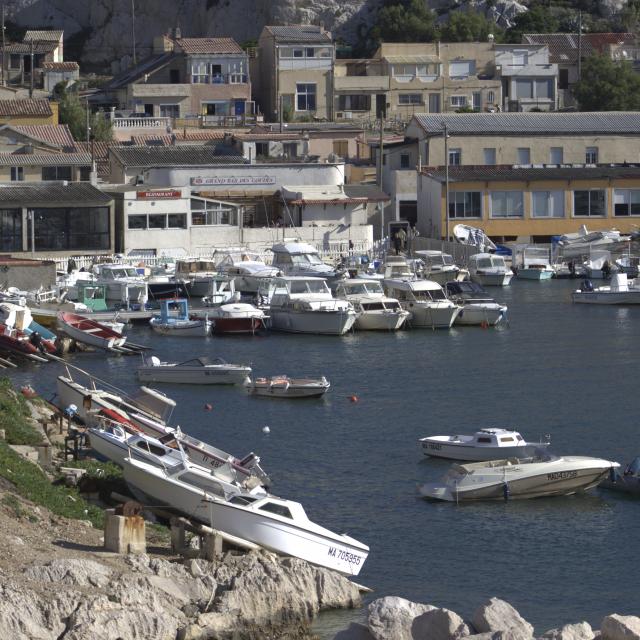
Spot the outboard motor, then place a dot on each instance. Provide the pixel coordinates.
(586, 285)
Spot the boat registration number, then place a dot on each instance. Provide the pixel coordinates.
(562, 475)
(212, 462)
(347, 556)
(430, 445)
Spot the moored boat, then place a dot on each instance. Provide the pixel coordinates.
(237, 317)
(194, 371)
(174, 320)
(489, 270)
(286, 387)
(88, 331)
(478, 307)
(620, 291)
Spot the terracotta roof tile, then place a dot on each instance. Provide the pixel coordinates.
(209, 45)
(26, 107)
(60, 66)
(55, 134)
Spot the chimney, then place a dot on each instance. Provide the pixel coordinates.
(177, 33)
(162, 44)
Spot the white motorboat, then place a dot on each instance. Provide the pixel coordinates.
(533, 263)
(474, 237)
(123, 283)
(302, 259)
(201, 277)
(599, 265)
(620, 291)
(426, 301)
(517, 478)
(486, 444)
(278, 525)
(194, 371)
(489, 270)
(148, 411)
(114, 442)
(375, 311)
(478, 307)
(286, 387)
(306, 305)
(237, 317)
(247, 268)
(582, 242)
(440, 267)
(174, 320)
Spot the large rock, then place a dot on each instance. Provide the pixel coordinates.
(617, 627)
(498, 615)
(355, 631)
(439, 624)
(70, 572)
(578, 631)
(391, 618)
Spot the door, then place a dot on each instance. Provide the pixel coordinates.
(239, 107)
(148, 109)
(381, 105)
(434, 103)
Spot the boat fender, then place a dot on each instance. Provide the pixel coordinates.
(505, 491)
(208, 407)
(266, 429)
(353, 398)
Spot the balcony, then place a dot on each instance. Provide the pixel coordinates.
(220, 78)
(361, 83)
(141, 122)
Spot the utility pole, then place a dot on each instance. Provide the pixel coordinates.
(88, 123)
(133, 30)
(31, 74)
(579, 45)
(3, 44)
(446, 179)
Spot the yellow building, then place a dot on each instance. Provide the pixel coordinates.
(528, 204)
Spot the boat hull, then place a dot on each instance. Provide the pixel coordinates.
(606, 297)
(535, 274)
(189, 328)
(193, 375)
(270, 533)
(432, 316)
(481, 314)
(237, 325)
(334, 323)
(468, 453)
(90, 332)
(380, 320)
(492, 279)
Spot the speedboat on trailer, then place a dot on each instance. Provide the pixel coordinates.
(486, 444)
(518, 478)
(280, 525)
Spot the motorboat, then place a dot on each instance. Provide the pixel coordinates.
(124, 285)
(397, 268)
(194, 371)
(302, 259)
(375, 311)
(279, 525)
(18, 321)
(201, 276)
(485, 444)
(582, 242)
(161, 286)
(174, 320)
(440, 267)
(148, 411)
(286, 387)
(425, 300)
(247, 268)
(237, 317)
(113, 442)
(489, 270)
(478, 307)
(88, 331)
(599, 265)
(306, 305)
(534, 263)
(473, 237)
(621, 290)
(518, 478)
(628, 264)
(628, 481)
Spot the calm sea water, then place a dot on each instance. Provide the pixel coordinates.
(558, 368)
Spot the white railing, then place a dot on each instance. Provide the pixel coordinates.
(141, 123)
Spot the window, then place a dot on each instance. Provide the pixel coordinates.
(262, 149)
(15, 61)
(177, 221)
(10, 230)
(455, 156)
(589, 203)
(524, 155)
(354, 103)
(208, 212)
(547, 204)
(404, 70)
(491, 97)
(519, 58)
(305, 97)
(278, 509)
(17, 174)
(489, 155)
(174, 76)
(465, 204)
(169, 110)
(507, 204)
(524, 89)
(556, 155)
(341, 148)
(530, 89)
(410, 98)
(626, 202)
(462, 68)
(157, 221)
(543, 89)
(56, 173)
(591, 155)
(310, 52)
(290, 149)
(298, 53)
(73, 228)
(405, 161)
(476, 100)
(458, 101)
(199, 73)
(563, 78)
(137, 222)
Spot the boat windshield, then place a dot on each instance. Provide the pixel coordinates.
(483, 263)
(306, 258)
(430, 294)
(308, 286)
(497, 261)
(124, 272)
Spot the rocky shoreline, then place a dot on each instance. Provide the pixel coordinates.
(394, 618)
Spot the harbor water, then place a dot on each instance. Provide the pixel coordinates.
(351, 458)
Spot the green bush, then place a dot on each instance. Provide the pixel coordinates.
(14, 416)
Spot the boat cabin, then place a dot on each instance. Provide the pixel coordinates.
(415, 290)
(359, 288)
(114, 272)
(480, 261)
(467, 290)
(497, 438)
(92, 295)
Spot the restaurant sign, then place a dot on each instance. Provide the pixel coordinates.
(160, 194)
(232, 181)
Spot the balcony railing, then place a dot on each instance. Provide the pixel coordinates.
(141, 123)
(219, 78)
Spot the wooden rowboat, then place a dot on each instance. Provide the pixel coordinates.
(83, 329)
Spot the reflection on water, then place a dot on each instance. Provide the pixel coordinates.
(558, 368)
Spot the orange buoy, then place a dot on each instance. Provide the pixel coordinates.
(208, 407)
(353, 398)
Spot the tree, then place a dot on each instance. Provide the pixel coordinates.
(409, 21)
(74, 114)
(538, 19)
(465, 26)
(607, 86)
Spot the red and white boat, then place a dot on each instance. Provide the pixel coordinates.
(15, 341)
(237, 318)
(83, 329)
